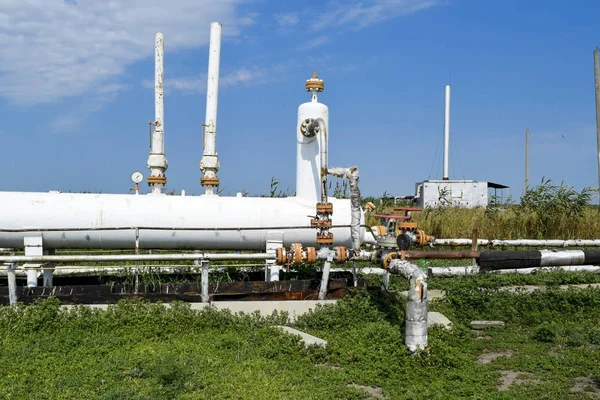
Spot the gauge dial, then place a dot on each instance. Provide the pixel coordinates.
(137, 177)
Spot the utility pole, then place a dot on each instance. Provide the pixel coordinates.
(597, 80)
(526, 160)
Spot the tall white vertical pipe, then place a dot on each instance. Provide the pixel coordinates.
(446, 132)
(209, 165)
(157, 162)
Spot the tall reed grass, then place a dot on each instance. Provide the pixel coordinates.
(546, 211)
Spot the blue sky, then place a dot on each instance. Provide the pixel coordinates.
(77, 90)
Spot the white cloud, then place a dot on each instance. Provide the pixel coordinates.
(240, 76)
(316, 42)
(367, 12)
(70, 120)
(287, 20)
(53, 49)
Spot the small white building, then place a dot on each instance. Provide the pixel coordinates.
(462, 193)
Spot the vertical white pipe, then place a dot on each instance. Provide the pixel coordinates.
(204, 294)
(12, 283)
(210, 160)
(446, 132)
(325, 278)
(157, 162)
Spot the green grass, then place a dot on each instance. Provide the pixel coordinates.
(137, 350)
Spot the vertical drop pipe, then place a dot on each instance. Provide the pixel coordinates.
(157, 162)
(446, 132)
(209, 165)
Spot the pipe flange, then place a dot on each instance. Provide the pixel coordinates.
(407, 225)
(281, 256)
(370, 206)
(324, 208)
(380, 230)
(315, 83)
(320, 223)
(341, 255)
(153, 180)
(325, 238)
(209, 181)
(311, 255)
(387, 259)
(296, 254)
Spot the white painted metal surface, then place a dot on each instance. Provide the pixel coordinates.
(446, 132)
(221, 222)
(157, 162)
(308, 164)
(463, 193)
(209, 165)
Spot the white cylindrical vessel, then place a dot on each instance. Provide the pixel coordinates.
(187, 222)
(308, 163)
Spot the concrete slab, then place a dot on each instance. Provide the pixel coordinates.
(486, 324)
(294, 308)
(437, 318)
(306, 338)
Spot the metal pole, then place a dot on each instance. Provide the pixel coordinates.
(597, 80)
(526, 159)
(205, 266)
(446, 133)
(12, 283)
(325, 278)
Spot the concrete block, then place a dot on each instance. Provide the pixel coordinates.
(306, 338)
(437, 318)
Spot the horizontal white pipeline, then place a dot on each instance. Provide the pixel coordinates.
(137, 257)
(442, 272)
(519, 242)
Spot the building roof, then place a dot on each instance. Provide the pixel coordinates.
(497, 186)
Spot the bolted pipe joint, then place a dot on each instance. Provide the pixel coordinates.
(415, 333)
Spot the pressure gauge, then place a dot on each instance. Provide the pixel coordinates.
(137, 177)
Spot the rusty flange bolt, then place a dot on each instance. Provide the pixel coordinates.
(324, 238)
(295, 254)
